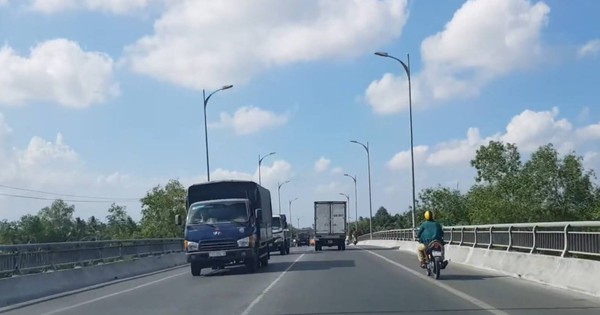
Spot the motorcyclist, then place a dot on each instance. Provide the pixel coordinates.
(429, 231)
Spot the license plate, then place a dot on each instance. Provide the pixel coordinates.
(436, 253)
(217, 254)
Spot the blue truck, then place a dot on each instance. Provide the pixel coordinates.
(227, 223)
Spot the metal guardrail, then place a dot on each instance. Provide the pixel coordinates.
(559, 238)
(31, 258)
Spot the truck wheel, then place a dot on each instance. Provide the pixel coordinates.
(343, 246)
(264, 261)
(196, 269)
(282, 250)
(287, 250)
(339, 247)
(252, 264)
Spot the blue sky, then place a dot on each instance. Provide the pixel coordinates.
(104, 98)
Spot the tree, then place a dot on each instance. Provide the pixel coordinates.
(497, 196)
(382, 219)
(120, 225)
(58, 221)
(159, 208)
(496, 161)
(448, 205)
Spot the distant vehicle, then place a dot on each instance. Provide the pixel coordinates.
(228, 223)
(281, 234)
(330, 224)
(303, 239)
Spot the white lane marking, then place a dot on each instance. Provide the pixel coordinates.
(262, 294)
(454, 291)
(66, 308)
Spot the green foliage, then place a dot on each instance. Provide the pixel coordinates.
(159, 208)
(545, 188)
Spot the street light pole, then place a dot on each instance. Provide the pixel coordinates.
(206, 126)
(290, 209)
(347, 221)
(279, 192)
(260, 159)
(355, 201)
(370, 199)
(406, 67)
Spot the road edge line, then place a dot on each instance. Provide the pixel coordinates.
(13, 307)
(460, 294)
(66, 308)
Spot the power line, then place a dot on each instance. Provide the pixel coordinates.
(42, 198)
(67, 195)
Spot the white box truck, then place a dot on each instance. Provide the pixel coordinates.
(330, 224)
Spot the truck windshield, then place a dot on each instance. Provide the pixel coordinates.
(218, 212)
(276, 224)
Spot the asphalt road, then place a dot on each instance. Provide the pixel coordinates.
(362, 280)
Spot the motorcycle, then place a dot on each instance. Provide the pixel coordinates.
(434, 259)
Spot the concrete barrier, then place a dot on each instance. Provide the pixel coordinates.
(34, 286)
(566, 273)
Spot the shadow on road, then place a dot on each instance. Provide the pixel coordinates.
(469, 277)
(375, 249)
(282, 266)
(446, 311)
(310, 265)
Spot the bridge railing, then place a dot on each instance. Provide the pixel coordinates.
(30, 258)
(581, 238)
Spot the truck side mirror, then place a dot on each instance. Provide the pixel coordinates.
(284, 224)
(178, 219)
(259, 215)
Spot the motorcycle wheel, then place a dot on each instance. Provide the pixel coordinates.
(436, 265)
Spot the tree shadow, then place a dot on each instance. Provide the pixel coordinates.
(282, 266)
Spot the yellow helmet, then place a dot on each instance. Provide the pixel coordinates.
(428, 215)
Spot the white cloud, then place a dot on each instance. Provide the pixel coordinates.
(54, 166)
(111, 6)
(531, 129)
(389, 95)
(591, 48)
(528, 130)
(590, 132)
(401, 160)
(58, 71)
(247, 38)
(322, 164)
(247, 120)
(4, 3)
(485, 39)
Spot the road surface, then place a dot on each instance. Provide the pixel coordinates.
(360, 280)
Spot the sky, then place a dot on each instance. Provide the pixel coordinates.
(101, 100)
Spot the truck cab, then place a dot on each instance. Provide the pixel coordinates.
(281, 234)
(303, 239)
(227, 223)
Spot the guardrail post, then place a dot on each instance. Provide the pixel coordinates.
(451, 235)
(475, 238)
(510, 240)
(566, 248)
(462, 236)
(491, 238)
(534, 233)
